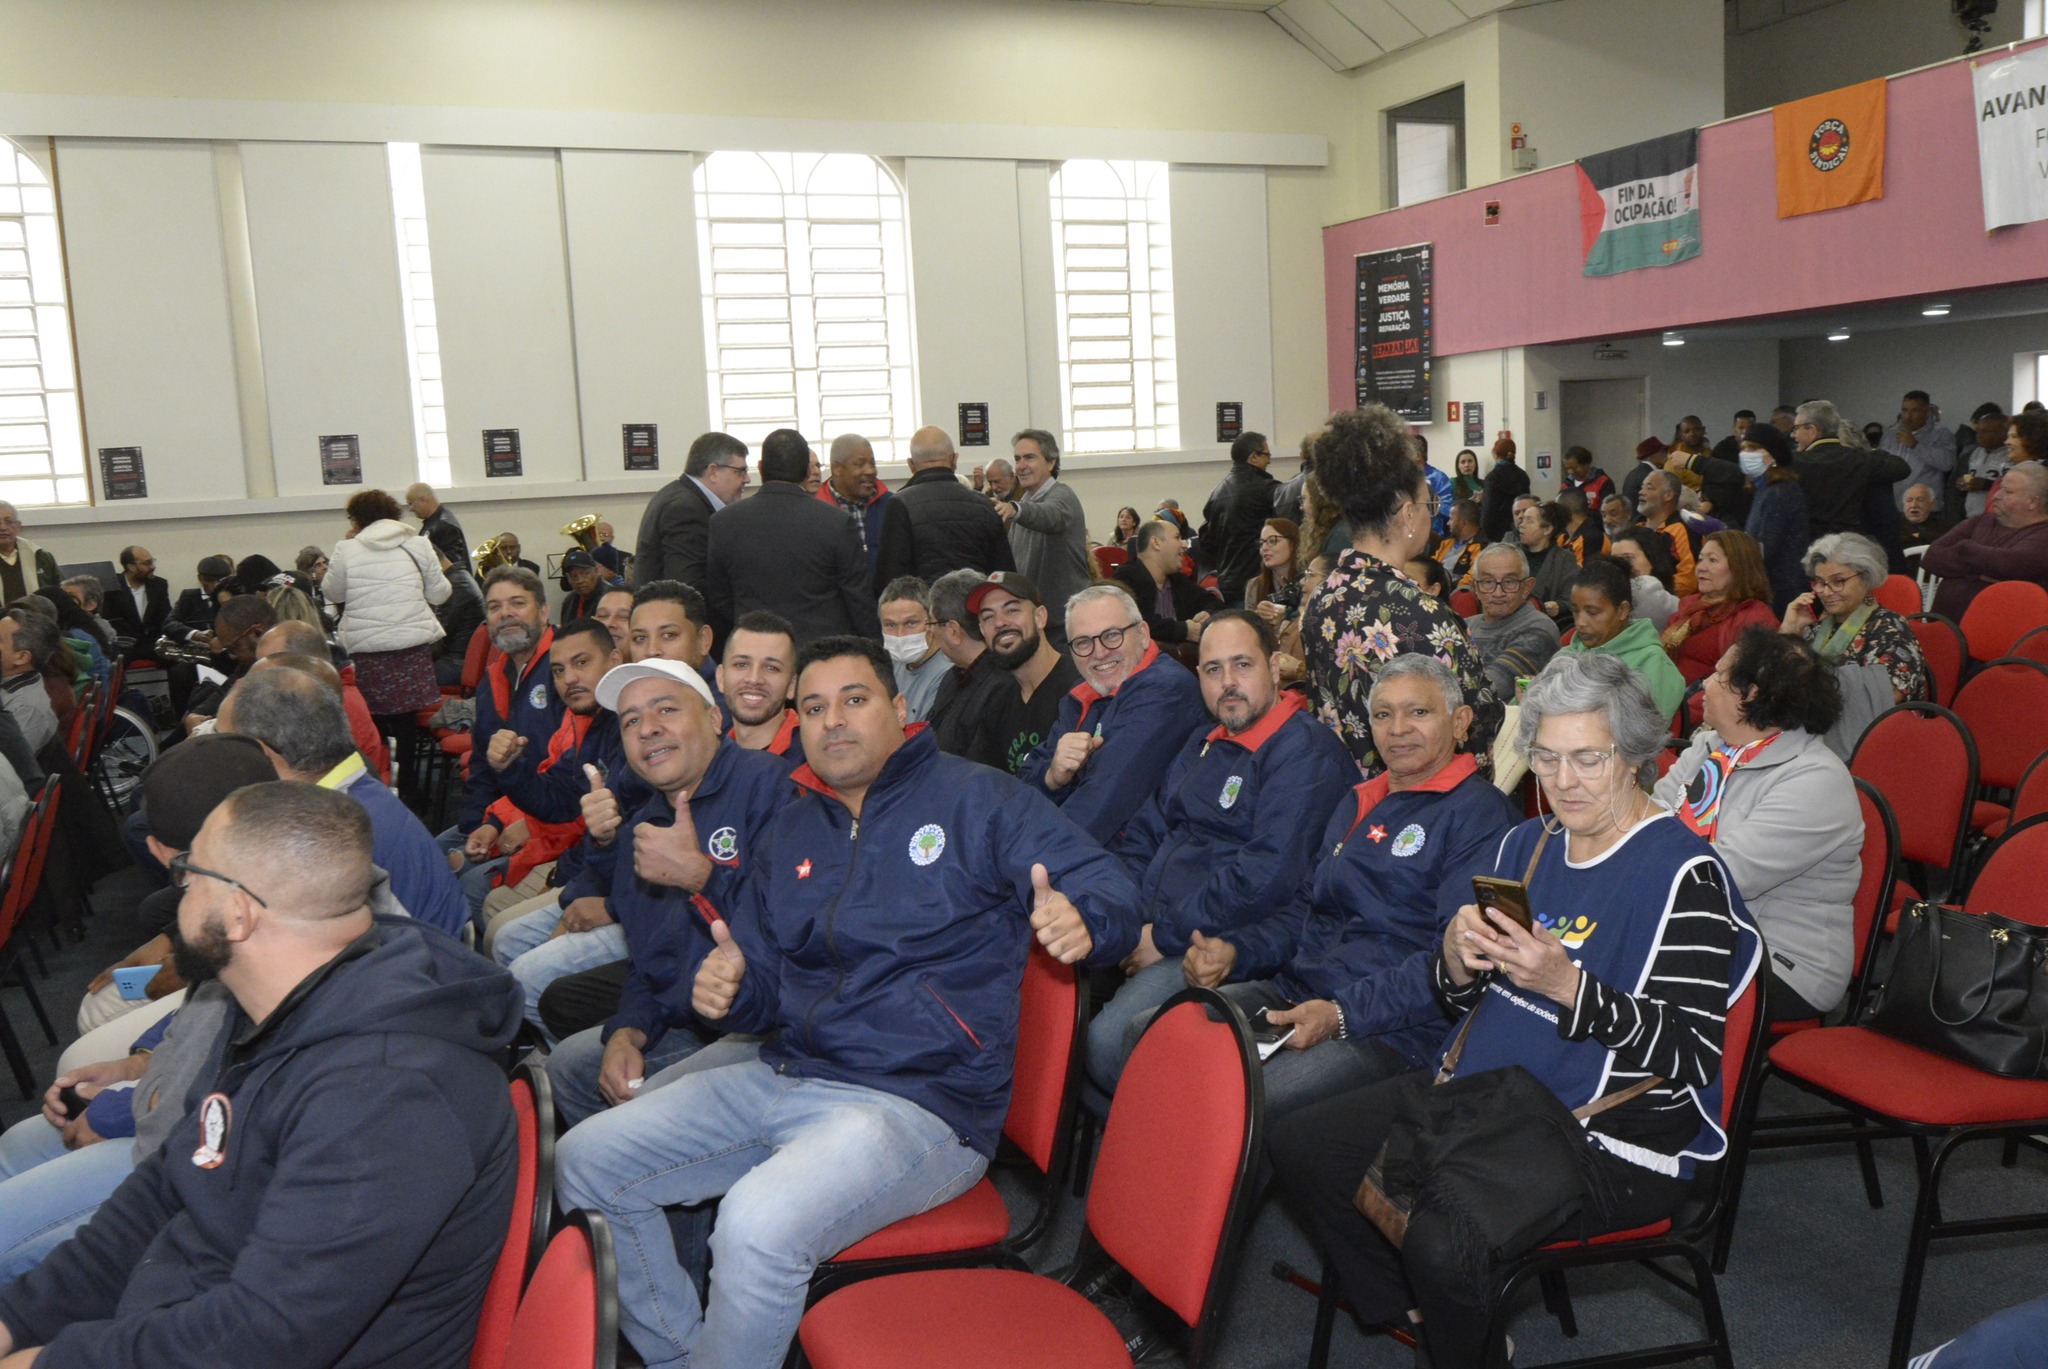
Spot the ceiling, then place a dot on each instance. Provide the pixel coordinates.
(2005, 301)
(1347, 34)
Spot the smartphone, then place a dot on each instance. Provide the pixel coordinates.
(1509, 896)
(71, 1101)
(1269, 1036)
(133, 981)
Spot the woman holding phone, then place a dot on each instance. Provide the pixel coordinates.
(1624, 895)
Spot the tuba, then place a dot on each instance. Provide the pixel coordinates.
(487, 558)
(583, 531)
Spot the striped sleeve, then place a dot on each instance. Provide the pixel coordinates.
(1673, 1025)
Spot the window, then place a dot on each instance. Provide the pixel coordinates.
(1112, 248)
(422, 331)
(2035, 18)
(42, 444)
(806, 280)
(1426, 148)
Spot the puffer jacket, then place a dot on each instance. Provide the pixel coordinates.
(387, 580)
(1142, 728)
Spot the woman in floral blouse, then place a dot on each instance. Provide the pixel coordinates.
(1366, 611)
(1842, 620)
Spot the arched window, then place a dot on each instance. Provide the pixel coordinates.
(42, 443)
(1112, 242)
(806, 280)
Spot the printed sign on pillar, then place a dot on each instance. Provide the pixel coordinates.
(501, 453)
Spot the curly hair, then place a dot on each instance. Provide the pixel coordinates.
(371, 506)
(1782, 682)
(1366, 463)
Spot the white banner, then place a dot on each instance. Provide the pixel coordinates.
(2012, 137)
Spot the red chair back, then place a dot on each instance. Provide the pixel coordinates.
(474, 658)
(1048, 1041)
(2032, 647)
(23, 873)
(1166, 1198)
(77, 741)
(2005, 706)
(1921, 758)
(1880, 871)
(1107, 559)
(2001, 614)
(1900, 594)
(2030, 798)
(569, 1318)
(533, 1110)
(1941, 643)
(1739, 1053)
(2009, 881)
(1464, 602)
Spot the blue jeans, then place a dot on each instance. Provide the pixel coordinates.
(48, 1192)
(573, 1066)
(537, 957)
(1139, 996)
(805, 1168)
(1294, 1079)
(475, 876)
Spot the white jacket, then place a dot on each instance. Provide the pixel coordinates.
(386, 579)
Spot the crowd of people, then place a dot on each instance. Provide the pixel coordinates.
(761, 821)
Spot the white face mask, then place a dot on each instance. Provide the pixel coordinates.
(1753, 465)
(908, 649)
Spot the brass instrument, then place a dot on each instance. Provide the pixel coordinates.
(583, 530)
(487, 557)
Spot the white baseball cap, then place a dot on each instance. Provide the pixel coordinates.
(619, 676)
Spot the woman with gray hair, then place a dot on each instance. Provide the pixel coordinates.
(1841, 619)
(1621, 981)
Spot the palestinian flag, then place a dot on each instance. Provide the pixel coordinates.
(1640, 205)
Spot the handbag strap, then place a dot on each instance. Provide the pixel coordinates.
(1451, 1057)
(1617, 1098)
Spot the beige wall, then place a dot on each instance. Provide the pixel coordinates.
(1839, 45)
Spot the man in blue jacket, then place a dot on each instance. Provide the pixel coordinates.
(883, 933)
(339, 1195)
(1122, 725)
(1229, 838)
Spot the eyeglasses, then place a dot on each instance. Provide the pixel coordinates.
(1109, 639)
(1834, 584)
(1497, 586)
(182, 869)
(741, 467)
(1272, 541)
(1583, 763)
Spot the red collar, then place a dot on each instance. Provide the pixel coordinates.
(808, 777)
(1462, 767)
(780, 745)
(1085, 692)
(1252, 738)
(826, 495)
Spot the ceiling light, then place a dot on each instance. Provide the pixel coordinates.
(1674, 340)
(1935, 311)
(1839, 335)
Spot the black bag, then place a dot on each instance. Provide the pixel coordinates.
(1971, 986)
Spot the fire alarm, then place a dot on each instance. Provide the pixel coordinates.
(1493, 213)
(1451, 411)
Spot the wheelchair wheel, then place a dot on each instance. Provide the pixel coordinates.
(128, 750)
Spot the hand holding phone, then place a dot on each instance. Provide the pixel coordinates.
(1510, 897)
(133, 981)
(1269, 1036)
(72, 1101)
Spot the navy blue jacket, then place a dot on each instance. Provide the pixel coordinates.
(369, 1161)
(1395, 868)
(1233, 833)
(666, 928)
(1143, 726)
(420, 878)
(530, 709)
(889, 949)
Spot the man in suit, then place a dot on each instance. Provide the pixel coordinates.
(788, 553)
(676, 528)
(139, 604)
(196, 608)
(1174, 604)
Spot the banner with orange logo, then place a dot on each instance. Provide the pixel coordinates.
(1830, 149)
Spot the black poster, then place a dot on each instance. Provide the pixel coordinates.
(341, 460)
(1229, 420)
(1393, 320)
(501, 453)
(121, 474)
(1475, 424)
(643, 447)
(974, 425)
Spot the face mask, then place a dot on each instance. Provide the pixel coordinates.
(907, 649)
(1753, 465)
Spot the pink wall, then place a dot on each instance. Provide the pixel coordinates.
(1519, 282)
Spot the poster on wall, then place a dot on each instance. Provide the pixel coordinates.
(974, 424)
(1394, 320)
(341, 460)
(501, 453)
(121, 473)
(1475, 423)
(643, 446)
(1229, 420)
(2012, 137)
(1640, 205)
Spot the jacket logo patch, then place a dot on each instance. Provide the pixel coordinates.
(927, 844)
(1377, 833)
(803, 871)
(724, 846)
(537, 697)
(1232, 787)
(1574, 932)
(215, 1115)
(1410, 840)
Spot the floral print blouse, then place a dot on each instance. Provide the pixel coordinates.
(1365, 613)
(1887, 640)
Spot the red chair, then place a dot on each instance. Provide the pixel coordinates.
(2032, 647)
(2000, 615)
(1168, 1203)
(533, 1203)
(974, 1228)
(569, 1318)
(1900, 594)
(20, 879)
(1941, 643)
(1922, 759)
(1887, 1089)
(2028, 799)
(1464, 602)
(2005, 706)
(1107, 559)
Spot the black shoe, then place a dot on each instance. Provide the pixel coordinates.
(1144, 1342)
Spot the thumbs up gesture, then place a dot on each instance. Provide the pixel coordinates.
(718, 978)
(672, 855)
(1208, 961)
(1068, 756)
(1057, 922)
(601, 815)
(506, 747)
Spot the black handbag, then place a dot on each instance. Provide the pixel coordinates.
(1970, 986)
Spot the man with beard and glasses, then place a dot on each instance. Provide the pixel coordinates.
(517, 698)
(1122, 725)
(1012, 618)
(338, 1195)
(1227, 838)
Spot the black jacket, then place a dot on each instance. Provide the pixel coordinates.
(462, 614)
(1721, 487)
(784, 551)
(940, 525)
(1231, 523)
(1835, 480)
(967, 699)
(446, 535)
(1189, 598)
(194, 612)
(675, 533)
(1505, 483)
(117, 606)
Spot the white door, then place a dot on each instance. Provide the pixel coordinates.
(1607, 418)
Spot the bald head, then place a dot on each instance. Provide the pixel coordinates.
(932, 447)
(295, 713)
(853, 467)
(420, 498)
(319, 667)
(308, 849)
(302, 639)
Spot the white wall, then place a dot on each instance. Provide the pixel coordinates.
(1960, 365)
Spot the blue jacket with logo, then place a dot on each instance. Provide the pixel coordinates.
(889, 948)
(529, 707)
(666, 928)
(1143, 726)
(1395, 867)
(1231, 835)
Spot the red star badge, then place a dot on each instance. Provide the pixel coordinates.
(1377, 832)
(803, 871)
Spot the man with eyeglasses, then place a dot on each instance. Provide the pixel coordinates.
(2008, 543)
(1514, 638)
(237, 628)
(1235, 515)
(1122, 725)
(1839, 480)
(1175, 605)
(675, 531)
(1010, 612)
(24, 566)
(140, 604)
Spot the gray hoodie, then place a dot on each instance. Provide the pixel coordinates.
(1791, 833)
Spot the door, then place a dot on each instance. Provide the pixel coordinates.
(1607, 418)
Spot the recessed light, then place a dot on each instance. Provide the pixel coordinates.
(1935, 311)
(1674, 340)
(1839, 335)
